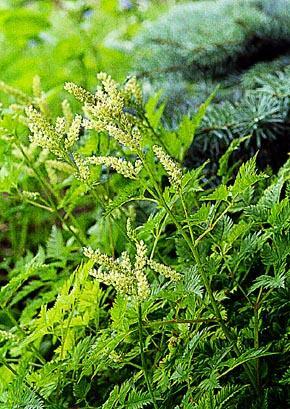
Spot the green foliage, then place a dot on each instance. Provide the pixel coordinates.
(128, 280)
(65, 41)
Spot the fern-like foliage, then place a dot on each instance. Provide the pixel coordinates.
(167, 291)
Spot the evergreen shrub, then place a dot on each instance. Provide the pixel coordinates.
(243, 46)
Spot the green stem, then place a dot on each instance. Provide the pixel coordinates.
(186, 216)
(256, 341)
(157, 237)
(32, 348)
(49, 209)
(192, 246)
(180, 321)
(48, 189)
(144, 367)
(257, 307)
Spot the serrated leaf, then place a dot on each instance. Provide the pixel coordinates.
(55, 246)
(247, 176)
(138, 400)
(280, 215)
(220, 193)
(223, 170)
(222, 229)
(112, 400)
(251, 244)
(192, 282)
(246, 356)
(131, 192)
(81, 389)
(266, 282)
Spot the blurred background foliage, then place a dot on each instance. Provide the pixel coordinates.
(68, 40)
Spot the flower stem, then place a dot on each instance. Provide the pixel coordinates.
(51, 193)
(180, 321)
(194, 250)
(144, 367)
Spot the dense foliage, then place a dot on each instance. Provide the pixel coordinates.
(131, 278)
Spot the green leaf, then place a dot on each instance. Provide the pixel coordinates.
(22, 22)
(81, 389)
(191, 181)
(223, 170)
(191, 282)
(153, 112)
(266, 282)
(188, 126)
(221, 193)
(280, 215)
(246, 356)
(55, 245)
(246, 177)
(8, 177)
(223, 229)
(112, 400)
(137, 400)
(261, 211)
(251, 244)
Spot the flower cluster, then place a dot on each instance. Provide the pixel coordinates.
(107, 110)
(118, 273)
(79, 93)
(172, 168)
(67, 112)
(43, 133)
(30, 195)
(73, 132)
(57, 139)
(39, 99)
(83, 170)
(125, 277)
(143, 289)
(166, 271)
(133, 89)
(123, 167)
(7, 336)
